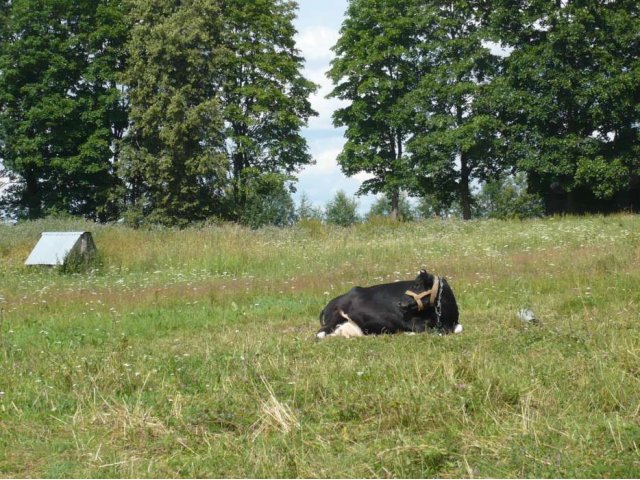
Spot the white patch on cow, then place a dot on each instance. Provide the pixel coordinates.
(458, 328)
(348, 330)
(321, 335)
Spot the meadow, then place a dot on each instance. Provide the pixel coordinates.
(191, 353)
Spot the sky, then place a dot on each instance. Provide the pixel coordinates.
(318, 25)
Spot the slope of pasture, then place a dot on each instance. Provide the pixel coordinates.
(192, 353)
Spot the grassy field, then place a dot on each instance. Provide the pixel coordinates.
(192, 353)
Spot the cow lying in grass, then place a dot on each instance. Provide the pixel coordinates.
(426, 303)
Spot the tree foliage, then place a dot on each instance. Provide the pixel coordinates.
(212, 96)
(307, 211)
(212, 99)
(507, 197)
(383, 207)
(454, 139)
(430, 206)
(264, 96)
(172, 158)
(570, 96)
(342, 210)
(374, 68)
(268, 201)
(61, 110)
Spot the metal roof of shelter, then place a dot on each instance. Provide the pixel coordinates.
(53, 248)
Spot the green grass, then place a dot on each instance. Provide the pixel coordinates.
(191, 354)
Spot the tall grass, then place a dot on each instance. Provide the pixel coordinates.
(191, 353)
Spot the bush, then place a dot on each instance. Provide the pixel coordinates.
(307, 211)
(342, 210)
(507, 197)
(382, 208)
(268, 202)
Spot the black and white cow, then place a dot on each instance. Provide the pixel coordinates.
(426, 303)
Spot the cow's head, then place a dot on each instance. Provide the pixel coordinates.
(424, 280)
(441, 300)
(422, 283)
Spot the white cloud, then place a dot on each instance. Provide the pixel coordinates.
(362, 176)
(315, 42)
(318, 24)
(325, 108)
(325, 163)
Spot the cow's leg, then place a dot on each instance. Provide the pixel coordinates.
(346, 328)
(326, 331)
(375, 324)
(330, 320)
(416, 325)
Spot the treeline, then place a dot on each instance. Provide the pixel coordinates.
(501, 198)
(445, 94)
(160, 110)
(173, 112)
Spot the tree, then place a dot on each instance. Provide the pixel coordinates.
(263, 94)
(382, 207)
(507, 197)
(61, 111)
(173, 156)
(374, 68)
(430, 206)
(268, 202)
(306, 210)
(454, 140)
(569, 98)
(342, 210)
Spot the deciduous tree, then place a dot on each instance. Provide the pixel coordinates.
(507, 197)
(382, 207)
(374, 68)
(61, 110)
(263, 94)
(570, 98)
(455, 140)
(342, 210)
(268, 202)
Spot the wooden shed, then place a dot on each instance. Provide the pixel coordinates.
(54, 248)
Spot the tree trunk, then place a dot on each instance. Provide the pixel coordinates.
(238, 190)
(465, 193)
(395, 204)
(395, 194)
(31, 195)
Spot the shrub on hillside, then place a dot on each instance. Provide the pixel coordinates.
(507, 197)
(382, 208)
(307, 211)
(268, 202)
(342, 210)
